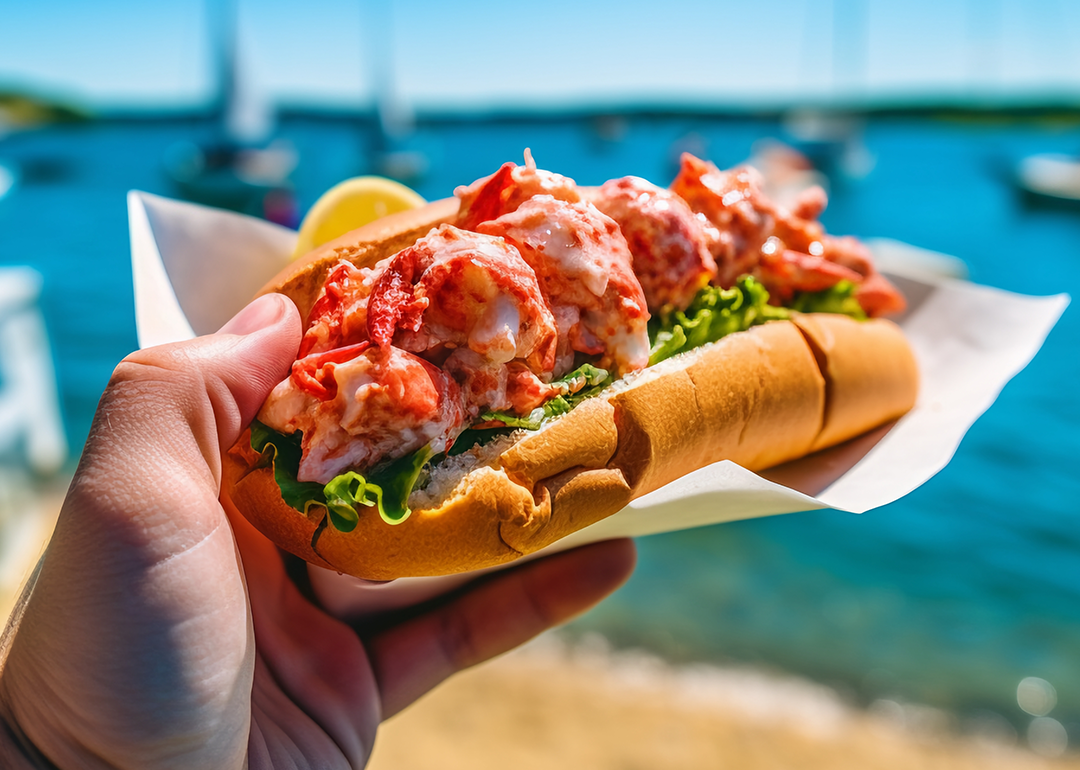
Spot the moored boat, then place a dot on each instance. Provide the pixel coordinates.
(1050, 177)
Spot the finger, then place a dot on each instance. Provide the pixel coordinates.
(231, 371)
(312, 676)
(498, 614)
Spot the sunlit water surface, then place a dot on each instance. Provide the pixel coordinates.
(950, 597)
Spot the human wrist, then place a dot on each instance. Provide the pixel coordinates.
(17, 751)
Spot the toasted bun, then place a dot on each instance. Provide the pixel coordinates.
(870, 373)
(759, 398)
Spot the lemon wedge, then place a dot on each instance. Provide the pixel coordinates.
(352, 204)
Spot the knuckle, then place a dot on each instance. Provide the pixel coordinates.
(459, 641)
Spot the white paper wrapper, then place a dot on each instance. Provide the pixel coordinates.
(195, 267)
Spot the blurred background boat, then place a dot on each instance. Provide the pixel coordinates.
(1050, 177)
(831, 140)
(238, 165)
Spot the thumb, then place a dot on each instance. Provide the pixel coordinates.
(152, 461)
(147, 485)
(151, 467)
(200, 394)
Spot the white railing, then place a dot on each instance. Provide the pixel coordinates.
(31, 428)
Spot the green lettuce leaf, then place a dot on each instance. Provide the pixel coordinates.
(343, 496)
(837, 299)
(713, 314)
(283, 454)
(667, 343)
(587, 380)
(396, 480)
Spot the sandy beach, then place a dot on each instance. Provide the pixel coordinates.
(549, 705)
(28, 511)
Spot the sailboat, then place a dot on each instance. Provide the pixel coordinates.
(395, 152)
(237, 168)
(829, 136)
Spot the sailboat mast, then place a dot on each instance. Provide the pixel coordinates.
(391, 113)
(849, 49)
(221, 34)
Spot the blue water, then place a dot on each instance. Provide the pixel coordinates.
(949, 597)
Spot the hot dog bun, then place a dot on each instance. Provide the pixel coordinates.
(759, 398)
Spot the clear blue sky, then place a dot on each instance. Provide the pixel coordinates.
(156, 52)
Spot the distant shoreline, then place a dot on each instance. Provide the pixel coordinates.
(1063, 110)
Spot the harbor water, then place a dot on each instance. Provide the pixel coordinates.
(951, 597)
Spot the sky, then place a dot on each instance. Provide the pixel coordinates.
(134, 53)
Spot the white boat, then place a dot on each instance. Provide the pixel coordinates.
(833, 141)
(1050, 176)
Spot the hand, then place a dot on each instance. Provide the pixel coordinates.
(158, 631)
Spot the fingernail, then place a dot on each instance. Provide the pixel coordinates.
(262, 313)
